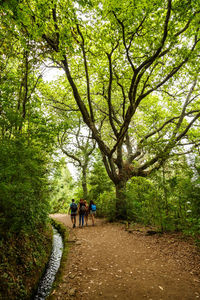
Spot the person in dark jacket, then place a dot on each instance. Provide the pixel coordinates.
(73, 211)
(81, 212)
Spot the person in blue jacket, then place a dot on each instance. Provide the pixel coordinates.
(92, 210)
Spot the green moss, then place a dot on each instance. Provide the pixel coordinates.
(22, 258)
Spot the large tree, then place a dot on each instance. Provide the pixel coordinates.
(132, 68)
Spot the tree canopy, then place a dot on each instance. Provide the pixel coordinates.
(131, 69)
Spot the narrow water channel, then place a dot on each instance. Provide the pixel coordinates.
(47, 280)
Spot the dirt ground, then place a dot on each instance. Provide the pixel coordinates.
(106, 262)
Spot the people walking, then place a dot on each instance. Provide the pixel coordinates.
(92, 210)
(81, 211)
(73, 210)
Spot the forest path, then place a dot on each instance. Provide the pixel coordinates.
(106, 262)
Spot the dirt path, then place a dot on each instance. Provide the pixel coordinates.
(106, 262)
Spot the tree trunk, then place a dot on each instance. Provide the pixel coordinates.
(84, 182)
(121, 211)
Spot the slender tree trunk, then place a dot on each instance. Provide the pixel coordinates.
(165, 192)
(84, 182)
(121, 211)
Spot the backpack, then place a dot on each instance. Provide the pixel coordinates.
(73, 207)
(93, 207)
(83, 208)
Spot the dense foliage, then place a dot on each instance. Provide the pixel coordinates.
(62, 187)
(168, 200)
(131, 70)
(23, 186)
(131, 73)
(26, 146)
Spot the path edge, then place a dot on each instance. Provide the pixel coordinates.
(62, 229)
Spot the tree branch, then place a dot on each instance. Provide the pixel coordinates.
(86, 73)
(110, 108)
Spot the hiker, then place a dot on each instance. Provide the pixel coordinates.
(86, 212)
(81, 211)
(92, 210)
(73, 209)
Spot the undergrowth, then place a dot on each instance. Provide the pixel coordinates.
(22, 257)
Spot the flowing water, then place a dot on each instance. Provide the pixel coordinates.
(47, 280)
